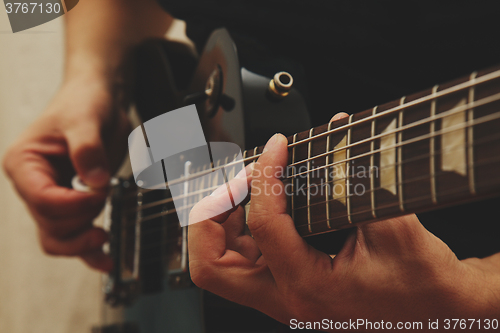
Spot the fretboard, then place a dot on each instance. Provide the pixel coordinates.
(436, 148)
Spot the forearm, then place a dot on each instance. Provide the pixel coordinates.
(99, 33)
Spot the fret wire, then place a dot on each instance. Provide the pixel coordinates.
(183, 238)
(432, 160)
(470, 134)
(208, 180)
(293, 181)
(416, 158)
(481, 102)
(326, 176)
(484, 162)
(400, 157)
(309, 180)
(226, 182)
(348, 155)
(372, 164)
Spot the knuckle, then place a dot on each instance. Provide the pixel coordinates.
(87, 147)
(257, 223)
(48, 246)
(44, 207)
(40, 205)
(202, 275)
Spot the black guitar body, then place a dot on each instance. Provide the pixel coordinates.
(234, 105)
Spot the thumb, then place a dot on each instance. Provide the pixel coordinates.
(88, 155)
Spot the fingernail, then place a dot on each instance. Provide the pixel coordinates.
(340, 115)
(97, 177)
(270, 144)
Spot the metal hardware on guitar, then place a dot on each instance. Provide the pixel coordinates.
(280, 85)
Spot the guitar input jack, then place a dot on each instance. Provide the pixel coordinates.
(280, 85)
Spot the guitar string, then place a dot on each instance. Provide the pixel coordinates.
(420, 157)
(413, 140)
(430, 97)
(333, 179)
(343, 217)
(337, 198)
(183, 208)
(395, 204)
(424, 121)
(404, 106)
(477, 121)
(475, 104)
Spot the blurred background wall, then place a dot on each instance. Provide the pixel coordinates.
(37, 293)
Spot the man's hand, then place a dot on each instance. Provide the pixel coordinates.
(393, 270)
(83, 130)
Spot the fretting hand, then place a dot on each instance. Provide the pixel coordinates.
(393, 270)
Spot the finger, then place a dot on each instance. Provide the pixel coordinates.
(236, 239)
(214, 243)
(338, 116)
(268, 221)
(85, 242)
(206, 217)
(88, 154)
(98, 260)
(35, 181)
(223, 271)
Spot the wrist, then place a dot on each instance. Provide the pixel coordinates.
(101, 67)
(104, 77)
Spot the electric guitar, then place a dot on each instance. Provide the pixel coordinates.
(432, 149)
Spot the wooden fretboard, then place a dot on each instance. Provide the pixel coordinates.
(436, 148)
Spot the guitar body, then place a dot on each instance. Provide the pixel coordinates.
(162, 298)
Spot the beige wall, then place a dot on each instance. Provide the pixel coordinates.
(37, 293)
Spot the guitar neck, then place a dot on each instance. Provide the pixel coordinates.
(431, 149)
